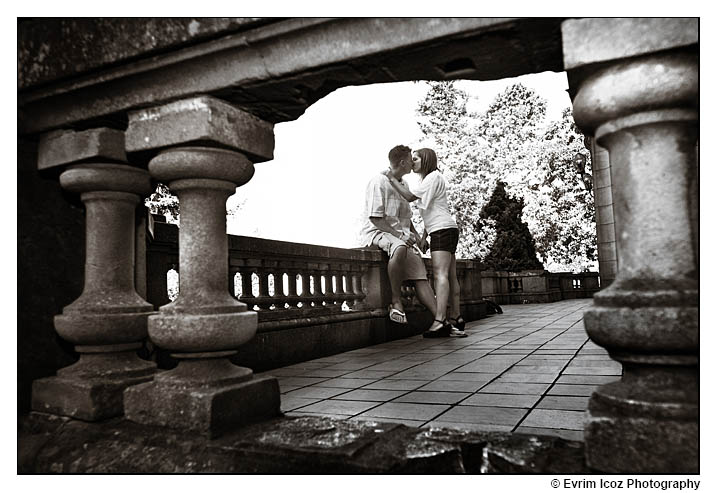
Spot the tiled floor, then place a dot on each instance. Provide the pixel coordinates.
(531, 369)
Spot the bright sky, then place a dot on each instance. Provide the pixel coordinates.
(313, 191)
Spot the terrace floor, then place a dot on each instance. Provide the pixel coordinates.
(530, 369)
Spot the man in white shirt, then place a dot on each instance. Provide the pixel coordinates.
(387, 224)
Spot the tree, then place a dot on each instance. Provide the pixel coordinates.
(513, 143)
(513, 248)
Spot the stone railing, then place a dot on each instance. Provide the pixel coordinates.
(329, 299)
(537, 286)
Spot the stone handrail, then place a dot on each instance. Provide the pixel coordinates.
(344, 284)
(537, 286)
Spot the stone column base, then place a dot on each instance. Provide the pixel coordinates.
(91, 389)
(625, 433)
(209, 407)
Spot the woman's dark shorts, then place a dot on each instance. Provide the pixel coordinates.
(444, 240)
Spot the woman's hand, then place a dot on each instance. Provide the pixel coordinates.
(387, 173)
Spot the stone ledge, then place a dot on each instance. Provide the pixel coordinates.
(285, 445)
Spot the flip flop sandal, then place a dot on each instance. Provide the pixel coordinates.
(397, 315)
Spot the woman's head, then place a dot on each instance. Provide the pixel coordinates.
(424, 161)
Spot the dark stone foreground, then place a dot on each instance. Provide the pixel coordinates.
(311, 444)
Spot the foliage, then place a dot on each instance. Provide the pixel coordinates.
(511, 142)
(164, 202)
(513, 248)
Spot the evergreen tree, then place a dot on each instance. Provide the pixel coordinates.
(514, 248)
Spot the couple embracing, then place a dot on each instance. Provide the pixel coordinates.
(387, 224)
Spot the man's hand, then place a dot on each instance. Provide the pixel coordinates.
(411, 240)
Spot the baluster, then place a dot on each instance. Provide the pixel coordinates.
(204, 326)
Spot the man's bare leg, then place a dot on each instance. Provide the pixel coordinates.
(426, 295)
(395, 269)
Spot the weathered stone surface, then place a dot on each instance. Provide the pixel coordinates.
(106, 177)
(185, 163)
(211, 401)
(91, 389)
(198, 120)
(595, 40)
(655, 430)
(65, 147)
(317, 445)
(54, 48)
(524, 454)
(277, 71)
(643, 110)
(631, 93)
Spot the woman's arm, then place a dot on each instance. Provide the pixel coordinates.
(403, 190)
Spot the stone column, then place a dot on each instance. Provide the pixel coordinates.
(203, 149)
(605, 223)
(108, 322)
(635, 87)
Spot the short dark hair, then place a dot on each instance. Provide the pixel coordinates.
(428, 161)
(398, 153)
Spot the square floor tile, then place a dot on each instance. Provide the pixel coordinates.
(549, 418)
(468, 426)
(574, 435)
(455, 385)
(527, 377)
(316, 392)
(346, 383)
(564, 402)
(391, 384)
(324, 372)
(299, 381)
(468, 377)
(300, 414)
(372, 374)
(483, 414)
(404, 410)
(433, 397)
(501, 400)
(331, 406)
(516, 388)
(587, 379)
(408, 422)
(371, 395)
(589, 370)
(576, 390)
(291, 403)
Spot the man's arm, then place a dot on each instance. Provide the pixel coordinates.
(421, 241)
(382, 225)
(402, 189)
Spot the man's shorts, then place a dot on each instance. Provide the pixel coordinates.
(445, 240)
(414, 266)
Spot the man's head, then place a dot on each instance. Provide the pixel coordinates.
(400, 160)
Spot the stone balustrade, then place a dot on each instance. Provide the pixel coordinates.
(537, 286)
(345, 307)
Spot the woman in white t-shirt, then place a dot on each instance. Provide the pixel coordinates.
(431, 199)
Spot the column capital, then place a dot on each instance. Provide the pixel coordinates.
(201, 120)
(64, 147)
(645, 90)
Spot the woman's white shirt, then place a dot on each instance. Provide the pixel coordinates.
(433, 202)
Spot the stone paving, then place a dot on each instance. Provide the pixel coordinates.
(530, 369)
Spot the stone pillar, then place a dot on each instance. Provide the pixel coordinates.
(635, 87)
(108, 322)
(605, 223)
(204, 326)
